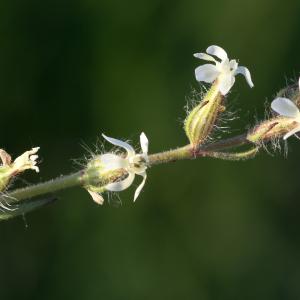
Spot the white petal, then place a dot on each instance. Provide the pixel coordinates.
(26, 161)
(226, 83)
(292, 132)
(120, 143)
(121, 185)
(244, 71)
(285, 107)
(96, 197)
(140, 187)
(204, 56)
(233, 65)
(144, 143)
(207, 73)
(33, 158)
(112, 161)
(217, 51)
(35, 168)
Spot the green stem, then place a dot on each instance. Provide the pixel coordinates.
(188, 152)
(181, 153)
(78, 178)
(47, 187)
(235, 141)
(19, 201)
(16, 202)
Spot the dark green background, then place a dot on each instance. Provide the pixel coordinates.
(205, 229)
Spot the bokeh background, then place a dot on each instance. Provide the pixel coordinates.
(204, 229)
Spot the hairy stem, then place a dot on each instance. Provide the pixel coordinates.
(54, 185)
(47, 187)
(235, 141)
(188, 152)
(11, 202)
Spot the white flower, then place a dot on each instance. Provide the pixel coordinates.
(9, 169)
(27, 161)
(287, 108)
(225, 70)
(134, 164)
(24, 162)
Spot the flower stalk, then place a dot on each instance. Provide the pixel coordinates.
(16, 202)
(115, 171)
(12, 204)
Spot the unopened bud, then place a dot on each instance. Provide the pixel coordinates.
(286, 105)
(270, 129)
(291, 92)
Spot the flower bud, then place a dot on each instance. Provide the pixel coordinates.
(9, 169)
(273, 128)
(201, 120)
(291, 92)
(286, 105)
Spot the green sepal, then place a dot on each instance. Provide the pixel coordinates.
(201, 120)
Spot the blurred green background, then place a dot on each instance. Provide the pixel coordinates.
(204, 229)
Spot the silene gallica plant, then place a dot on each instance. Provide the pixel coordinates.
(116, 171)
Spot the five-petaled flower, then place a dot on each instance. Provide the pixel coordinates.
(223, 71)
(132, 163)
(287, 108)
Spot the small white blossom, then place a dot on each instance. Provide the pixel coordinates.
(134, 164)
(9, 169)
(224, 70)
(26, 161)
(287, 108)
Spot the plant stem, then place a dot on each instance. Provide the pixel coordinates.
(235, 141)
(50, 186)
(11, 202)
(173, 155)
(77, 179)
(187, 152)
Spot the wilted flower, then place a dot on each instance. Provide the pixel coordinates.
(287, 108)
(224, 71)
(132, 163)
(8, 169)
